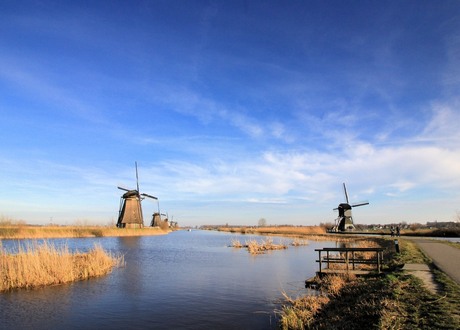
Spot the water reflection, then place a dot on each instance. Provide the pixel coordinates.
(184, 280)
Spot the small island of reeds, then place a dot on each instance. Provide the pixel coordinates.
(36, 265)
(257, 247)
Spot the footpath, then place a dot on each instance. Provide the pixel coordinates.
(444, 256)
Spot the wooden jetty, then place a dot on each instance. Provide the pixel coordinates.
(351, 257)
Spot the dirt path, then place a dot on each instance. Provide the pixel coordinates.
(445, 257)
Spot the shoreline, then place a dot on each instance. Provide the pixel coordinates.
(45, 232)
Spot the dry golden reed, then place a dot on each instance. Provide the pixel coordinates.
(8, 231)
(277, 230)
(45, 264)
(299, 242)
(300, 313)
(256, 247)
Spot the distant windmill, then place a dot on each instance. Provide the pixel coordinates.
(130, 213)
(344, 221)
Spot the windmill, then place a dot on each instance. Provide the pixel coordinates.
(130, 212)
(344, 221)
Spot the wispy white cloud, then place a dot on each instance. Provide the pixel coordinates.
(39, 83)
(443, 126)
(190, 103)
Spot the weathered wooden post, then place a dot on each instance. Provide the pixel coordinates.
(346, 260)
(353, 259)
(320, 261)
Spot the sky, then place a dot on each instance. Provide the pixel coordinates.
(233, 110)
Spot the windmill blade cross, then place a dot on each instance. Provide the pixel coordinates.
(121, 188)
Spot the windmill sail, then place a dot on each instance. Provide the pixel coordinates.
(345, 191)
(344, 221)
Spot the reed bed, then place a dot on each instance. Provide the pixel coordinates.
(258, 247)
(312, 233)
(277, 230)
(301, 312)
(299, 242)
(33, 232)
(36, 265)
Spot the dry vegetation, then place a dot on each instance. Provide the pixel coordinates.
(44, 264)
(302, 312)
(299, 242)
(21, 231)
(257, 247)
(302, 234)
(278, 230)
(392, 300)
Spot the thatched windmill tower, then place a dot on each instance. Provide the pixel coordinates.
(130, 212)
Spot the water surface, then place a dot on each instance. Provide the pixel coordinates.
(183, 280)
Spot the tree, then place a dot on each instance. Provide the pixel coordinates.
(262, 222)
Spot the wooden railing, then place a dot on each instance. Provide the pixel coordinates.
(350, 257)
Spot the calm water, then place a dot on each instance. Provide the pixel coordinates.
(184, 280)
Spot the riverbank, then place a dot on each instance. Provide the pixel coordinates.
(321, 230)
(12, 231)
(35, 265)
(394, 299)
(275, 230)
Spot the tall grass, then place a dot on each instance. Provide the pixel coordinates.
(299, 242)
(45, 264)
(300, 313)
(9, 231)
(278, 230)
(257, 247)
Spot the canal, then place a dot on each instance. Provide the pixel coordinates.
(184, 280)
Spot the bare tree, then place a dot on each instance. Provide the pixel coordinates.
(262, 222)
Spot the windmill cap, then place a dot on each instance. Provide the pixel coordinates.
(130, 193)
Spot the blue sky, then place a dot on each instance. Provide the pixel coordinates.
(234, 110)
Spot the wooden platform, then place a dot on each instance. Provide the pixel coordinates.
(351, 258)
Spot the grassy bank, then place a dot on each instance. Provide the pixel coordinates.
(446, 232)
(392, 300)
(44, 264)
(12, 231)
